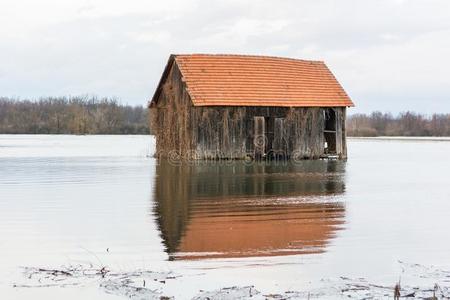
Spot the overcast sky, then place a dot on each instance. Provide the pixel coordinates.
(390, 55)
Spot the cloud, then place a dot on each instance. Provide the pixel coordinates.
(389, 55)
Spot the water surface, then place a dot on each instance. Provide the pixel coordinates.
(106, 201)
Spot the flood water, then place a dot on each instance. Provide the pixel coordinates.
(279, 226)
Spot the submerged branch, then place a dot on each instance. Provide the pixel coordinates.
(143, 284)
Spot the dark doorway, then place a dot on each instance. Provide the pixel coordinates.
(330, 131)
(330, 119)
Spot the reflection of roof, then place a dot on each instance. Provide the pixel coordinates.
(245, 80)
(238, 228)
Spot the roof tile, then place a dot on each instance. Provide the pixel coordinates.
(246, 80)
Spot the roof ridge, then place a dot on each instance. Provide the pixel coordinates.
(247, 55)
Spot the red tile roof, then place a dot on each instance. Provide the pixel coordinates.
(245, 80)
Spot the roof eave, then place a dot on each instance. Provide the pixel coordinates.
(203, 104)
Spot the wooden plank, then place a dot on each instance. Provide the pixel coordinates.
(259, 138)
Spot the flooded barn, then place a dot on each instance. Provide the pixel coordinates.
(241, 106)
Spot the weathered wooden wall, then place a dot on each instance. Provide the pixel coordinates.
(171, 117)
(212, 132)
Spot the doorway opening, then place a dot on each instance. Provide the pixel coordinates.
(330, 131)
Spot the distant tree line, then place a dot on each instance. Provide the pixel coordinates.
(404, 124)
(72, 115)
(92, 115)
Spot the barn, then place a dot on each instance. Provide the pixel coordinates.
(242, 106)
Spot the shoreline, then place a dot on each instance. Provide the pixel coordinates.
(401, 138)
(416, 281)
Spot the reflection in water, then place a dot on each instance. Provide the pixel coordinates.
(218, 209)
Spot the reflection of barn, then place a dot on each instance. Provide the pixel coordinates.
(236, 210)
(236, 106)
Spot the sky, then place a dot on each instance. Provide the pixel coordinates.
(389, 55)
